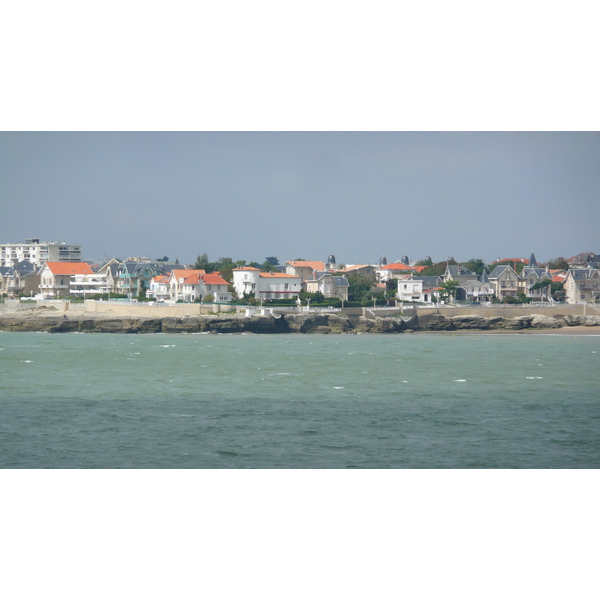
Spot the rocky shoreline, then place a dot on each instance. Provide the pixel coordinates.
(48, 320)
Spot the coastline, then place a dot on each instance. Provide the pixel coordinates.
(75, 318)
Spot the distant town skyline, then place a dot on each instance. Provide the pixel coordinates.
(357, 195)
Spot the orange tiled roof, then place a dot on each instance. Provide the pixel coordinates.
(316, 265)
(69, 268)
(398, 266)
(246, 269)
(186, 272)
(160, 279)
(272, 275)
(214, 279)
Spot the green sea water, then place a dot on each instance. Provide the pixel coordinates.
(299, 401)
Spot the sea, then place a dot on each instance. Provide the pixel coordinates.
(243, 401)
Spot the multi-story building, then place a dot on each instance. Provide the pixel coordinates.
(328, 284)
(582, 285)
(38, 253)
(56, 278)
(267, 286)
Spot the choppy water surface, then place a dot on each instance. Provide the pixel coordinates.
(299, 401)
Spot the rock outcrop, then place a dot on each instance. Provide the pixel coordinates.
(324, 323)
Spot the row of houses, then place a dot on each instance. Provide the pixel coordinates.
(172, 282)
(580, 284)
(160, 281)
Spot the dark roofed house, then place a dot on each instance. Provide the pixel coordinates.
(505, 281)
(329, 284)
(533, 274)
(584, 260)
(22, 279)
(458, 273)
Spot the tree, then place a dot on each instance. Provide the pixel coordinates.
(427, 262)
(142, 291)
(558, 263)
(272, 260)
(437, 268)
(268, 267)
(202, 262)
(360, 287)
(449, 289)
(477, 265)
(558, 292)
(544, 283)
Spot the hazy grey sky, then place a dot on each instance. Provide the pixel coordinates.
(252, 195)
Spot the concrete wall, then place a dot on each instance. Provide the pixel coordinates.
(516, 311)
(167, 310)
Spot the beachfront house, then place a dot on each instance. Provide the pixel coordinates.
(396, 270)
(582, 285)
(505, 282)
(266, 286)
(476, 290)
(329, 284)
(22, 279)
(303, 268)
(533, 274)
(55, 277)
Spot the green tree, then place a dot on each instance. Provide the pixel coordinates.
(558, 263)
(268, 267)
(360, 287)
(142, 290)
(449, 289)
(544, 283)
(477, 265)
(437, 268)
(272, 260)
(424, 263)
(202, 262)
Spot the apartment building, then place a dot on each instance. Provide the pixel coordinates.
(38, 253)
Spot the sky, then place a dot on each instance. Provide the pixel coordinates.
(357, 195)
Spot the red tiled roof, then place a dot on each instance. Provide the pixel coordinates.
(272, 275)
(246, 269)
(69, 268)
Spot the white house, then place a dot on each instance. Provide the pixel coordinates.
(267, 286)
(395, 270)
(84, 284)
(159, 288)
(199, 287)
(190, 285)
(412, 290)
